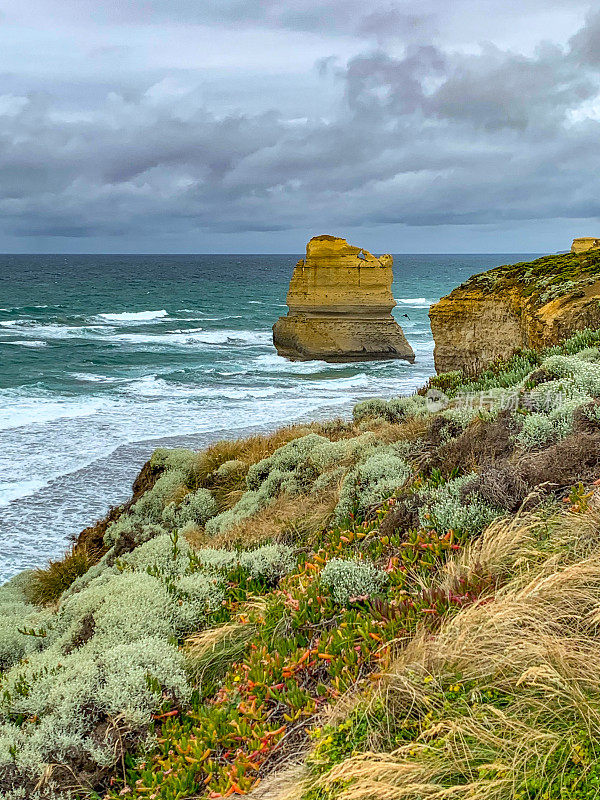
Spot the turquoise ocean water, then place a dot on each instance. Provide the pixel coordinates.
(104, 358)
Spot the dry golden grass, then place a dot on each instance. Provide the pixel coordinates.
(536, 645)
(390, 432)
(288, 782)
(252, 449)
(48, 583)
(200, 644)
(287, 518)
(249, 450)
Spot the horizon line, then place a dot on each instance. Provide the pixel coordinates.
(415, 253)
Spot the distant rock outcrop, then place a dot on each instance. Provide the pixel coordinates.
(584, 243)
(340, 302)
(527, 305)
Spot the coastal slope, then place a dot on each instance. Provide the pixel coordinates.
(397, 604)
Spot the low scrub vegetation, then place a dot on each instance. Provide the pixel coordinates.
(403, 605)
(544, 279)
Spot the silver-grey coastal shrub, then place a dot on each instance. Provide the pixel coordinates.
(268, 562)
(18, 615)
(168, 503)
(196, 507)
(444, 510)
(373, 480)
(294, 469)
(398, 409)
(577, 383)
(350, 579)
(110, 648)
(173, 459)
(68, 696)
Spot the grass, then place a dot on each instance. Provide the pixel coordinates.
(504, 701)
(47, 584)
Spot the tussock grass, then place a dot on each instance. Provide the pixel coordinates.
(290, 519)
(388, 432)
(249, 450)
(504, 702)
(46, 584)
(210, 653)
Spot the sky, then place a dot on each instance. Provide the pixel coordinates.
(247, 126)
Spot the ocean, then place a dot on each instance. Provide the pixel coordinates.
(104, 358)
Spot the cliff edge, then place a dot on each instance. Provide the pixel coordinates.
(340, 303)
(526, 305)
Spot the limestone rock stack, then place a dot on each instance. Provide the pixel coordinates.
(340, 303)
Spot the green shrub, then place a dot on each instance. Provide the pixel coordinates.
(370, 409)
(293, 469)
(349, 580)
(164, 554)
(127, 606)
(109, 649)
(591, 411)
(396, 410)
(269, 562)
(375, 479)
(250, 503)
(64, 700)
(231, 467)
(178, 459)
(576, 382)
(17, 616)
(197, 507)
(444, 509)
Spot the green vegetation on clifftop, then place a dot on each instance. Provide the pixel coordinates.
(545, 278)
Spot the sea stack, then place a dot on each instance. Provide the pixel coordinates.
(340, 303)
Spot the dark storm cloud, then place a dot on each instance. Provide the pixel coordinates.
(586, 43)
(421, 134)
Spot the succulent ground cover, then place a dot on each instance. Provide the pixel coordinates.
(381, 605)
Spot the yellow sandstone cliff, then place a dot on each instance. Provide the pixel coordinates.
(526, 305)
(340, 303)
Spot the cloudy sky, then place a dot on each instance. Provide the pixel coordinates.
(250, 125)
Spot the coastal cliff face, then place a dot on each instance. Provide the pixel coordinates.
(584, 243)
(527, 305)
(340, 303)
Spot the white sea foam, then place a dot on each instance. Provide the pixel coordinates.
(270, 362)
(55, 331)
(134, 316)
(414, 302)
(88, 377)
(197, 337)
(19, 409)
(33, 343)
(17, 489)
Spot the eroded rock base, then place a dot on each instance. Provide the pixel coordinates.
(336, 339)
